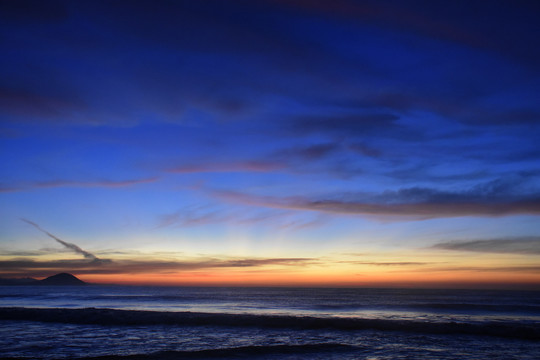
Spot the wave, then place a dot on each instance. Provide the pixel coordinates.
(235, 352)
(533, 309)
(438, 307)
(112, 317)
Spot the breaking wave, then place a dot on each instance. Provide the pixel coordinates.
(507, 329)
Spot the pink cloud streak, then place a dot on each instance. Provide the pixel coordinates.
(69, 183)
(245, 166)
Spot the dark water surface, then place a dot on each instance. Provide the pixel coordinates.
(267, 323)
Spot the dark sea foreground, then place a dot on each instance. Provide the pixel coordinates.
(267, 323)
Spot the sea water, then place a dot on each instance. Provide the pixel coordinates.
(268, 323)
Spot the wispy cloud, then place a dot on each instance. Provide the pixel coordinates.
(344, 125)
(428, 21)
(103, 183)
(24, 267)
(393, 263)
(409, 203)
(5, 252)
(365, 150)
(510, 245)
(33, 105)
(238, 166)
(201, 215)
(68, 245)
(78, 184)
(505, 269)
(310, 152)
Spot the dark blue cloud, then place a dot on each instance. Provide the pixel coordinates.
(133, 60)
(348, 125)
(413, 94)
(500, 197)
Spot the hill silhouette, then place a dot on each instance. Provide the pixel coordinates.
(58, 279)
(61, 279)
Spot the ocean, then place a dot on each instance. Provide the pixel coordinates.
(112, 322)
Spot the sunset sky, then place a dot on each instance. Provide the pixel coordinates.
(271, 142)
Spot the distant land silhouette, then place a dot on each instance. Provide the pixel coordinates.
(62, 279)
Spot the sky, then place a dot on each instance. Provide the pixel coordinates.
(271, 142)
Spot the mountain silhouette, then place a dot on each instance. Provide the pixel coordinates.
(61, 279)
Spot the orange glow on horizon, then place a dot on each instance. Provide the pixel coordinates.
(424, 280)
